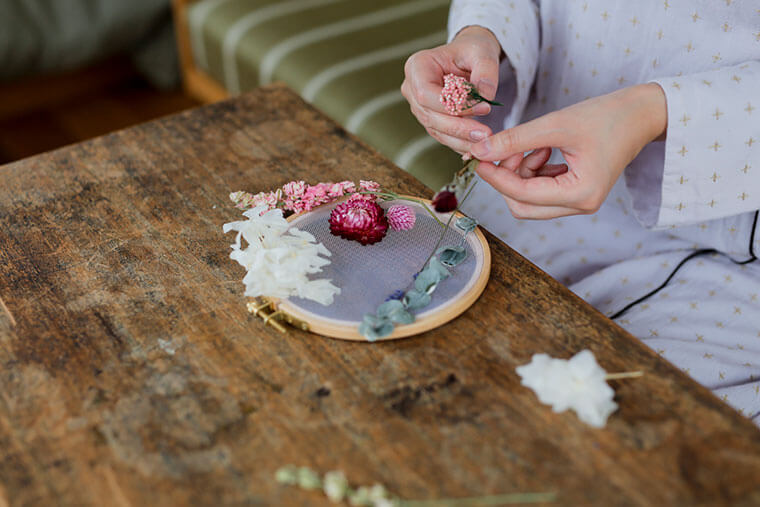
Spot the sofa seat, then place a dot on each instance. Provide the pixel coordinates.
(344, 56)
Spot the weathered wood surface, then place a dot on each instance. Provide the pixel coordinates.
(131, 373)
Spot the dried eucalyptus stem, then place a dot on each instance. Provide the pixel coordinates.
(623, 375)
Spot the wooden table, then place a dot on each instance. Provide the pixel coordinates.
(133, 375)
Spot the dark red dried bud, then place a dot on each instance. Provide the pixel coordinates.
(445, 201)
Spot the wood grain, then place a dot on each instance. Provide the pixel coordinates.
(135, 376)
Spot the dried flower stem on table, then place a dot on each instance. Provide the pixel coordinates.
(336, 487)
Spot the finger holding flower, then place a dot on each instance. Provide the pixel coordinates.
(598, 138)
(473, 54)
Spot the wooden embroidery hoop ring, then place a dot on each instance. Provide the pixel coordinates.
(425, 321)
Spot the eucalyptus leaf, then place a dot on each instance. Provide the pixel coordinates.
(388, 308)
(452, 256)
(373, 327)
(371, 320)
(415, 299)
(395, 311)
(402, 317)
(466, 224)
(385, 329)
(427, 280)
(438, 267)
(368, 332)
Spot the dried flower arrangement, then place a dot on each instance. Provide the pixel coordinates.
(283, 261)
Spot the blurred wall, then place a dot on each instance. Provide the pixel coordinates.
(44, 36)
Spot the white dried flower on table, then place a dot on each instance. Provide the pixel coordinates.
(279, 260)
(335, 485)
(578, 383)
(308, 478)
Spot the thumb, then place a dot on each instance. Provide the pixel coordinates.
(539, 133)
(485, 75)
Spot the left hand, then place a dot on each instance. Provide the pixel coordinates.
(598, 137)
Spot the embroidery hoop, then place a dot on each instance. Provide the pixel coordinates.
(308, 316)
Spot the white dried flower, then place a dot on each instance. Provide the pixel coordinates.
(308, 478)
(360, 497)
(378, 492)
(287, 474)
(279, 260)
(578, 383)
(335, 486)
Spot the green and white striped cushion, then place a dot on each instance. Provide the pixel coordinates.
(344, 56)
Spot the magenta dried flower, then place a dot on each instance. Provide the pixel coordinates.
(458, 94)
(445, 201)
(359, 220)
(401, 217)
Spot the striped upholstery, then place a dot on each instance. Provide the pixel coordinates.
(344, 56)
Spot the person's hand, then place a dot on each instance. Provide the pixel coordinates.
(598, 137)
(474, 53)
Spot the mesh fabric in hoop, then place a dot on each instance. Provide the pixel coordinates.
(367, 275)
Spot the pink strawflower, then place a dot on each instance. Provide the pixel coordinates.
(359, 220)
(401, 217)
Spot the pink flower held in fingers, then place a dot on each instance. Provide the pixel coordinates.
(458, 94)
(455, 94)
(359, 220)
(401, 217)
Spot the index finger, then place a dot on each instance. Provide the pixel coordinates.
(558, 190)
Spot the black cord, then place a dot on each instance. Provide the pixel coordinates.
(752, 256)
(662, 286)
(697, 253)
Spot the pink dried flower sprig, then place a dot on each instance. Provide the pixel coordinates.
(360, 218)
(458, 95)
(298, 196)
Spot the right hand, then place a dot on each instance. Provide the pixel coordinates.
(474, 53)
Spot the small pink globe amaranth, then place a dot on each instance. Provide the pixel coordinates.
(401, 217)
(359, 220)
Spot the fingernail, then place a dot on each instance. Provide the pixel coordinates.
(481, 149)
(477, 135)
(481, 109)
